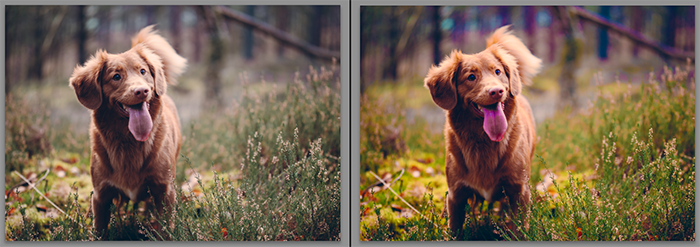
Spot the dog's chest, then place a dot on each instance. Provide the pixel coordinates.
(127, 164)
(482, 165)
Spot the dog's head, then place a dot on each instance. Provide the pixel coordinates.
(482, 83)
(127, 84)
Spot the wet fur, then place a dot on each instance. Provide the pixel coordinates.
(476, 167)
(121, 167)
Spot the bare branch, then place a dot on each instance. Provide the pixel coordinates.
(631, 34)
(280, 35)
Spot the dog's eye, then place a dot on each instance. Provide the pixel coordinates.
(498, 71)
(143, 71)
(117, 77)
(471, 77)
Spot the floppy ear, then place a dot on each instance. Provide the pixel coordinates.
(86, 81)
(155, 65)
(441, 81)
(510, 67)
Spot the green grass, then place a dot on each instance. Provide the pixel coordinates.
(265, 168)
(621, 170)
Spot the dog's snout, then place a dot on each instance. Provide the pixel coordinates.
(141, 92)
(496, 92)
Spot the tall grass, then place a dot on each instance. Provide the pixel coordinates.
(275, 159)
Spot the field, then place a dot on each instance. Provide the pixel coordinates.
(267, 167)
(620, 169)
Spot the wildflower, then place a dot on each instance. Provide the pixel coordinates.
(579, 232)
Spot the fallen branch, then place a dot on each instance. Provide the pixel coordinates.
(632, 34)
(404, 201)
(278, 34)
(31, 185)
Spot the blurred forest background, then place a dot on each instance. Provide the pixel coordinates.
(220, 43)
(574, 43)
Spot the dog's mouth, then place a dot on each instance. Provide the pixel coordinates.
(495, 123)
(140, 122)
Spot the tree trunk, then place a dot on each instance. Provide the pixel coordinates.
(458, 32)
(553, 27)
(199, 25)
(82, 35)
(437, 35)
(104, 28)
(215, 59)
(315, 27)
(504, 12)
(570, 60)
(37, 65)
(391, 65)
(638, 19)
(530, 22)
(669, 30)
(248, 35)
(603, 38)
(282, 24)
(175, 27)
(150, 15)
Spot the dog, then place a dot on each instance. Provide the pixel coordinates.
(489, 129)
(135, 128)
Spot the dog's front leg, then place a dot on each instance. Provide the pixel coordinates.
(457, 199)
(164, 199)
(101, 202)
(519, 199)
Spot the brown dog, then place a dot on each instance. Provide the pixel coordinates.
(489, 129)
(135, 129)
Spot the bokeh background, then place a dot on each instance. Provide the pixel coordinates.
(42, 53)
(399, 44)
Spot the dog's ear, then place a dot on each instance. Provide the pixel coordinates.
(441, 81)
(172, 64)
(526, 64)
(155, 65)
(510, 67)
(87, 82)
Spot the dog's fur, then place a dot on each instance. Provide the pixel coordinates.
(478, 165)
(120, 165)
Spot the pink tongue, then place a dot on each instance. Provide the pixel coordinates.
(495, 123)
(140, 123)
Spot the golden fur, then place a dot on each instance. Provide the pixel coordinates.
(477, 166)
(122, 166)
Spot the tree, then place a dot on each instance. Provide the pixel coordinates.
(638, 20)
(529, 19)
(390, 70)
(214, 63)
(175, 27)
(81, 34)
(570, 59)
(283, 24)
(248, 35)
(603, 38)
(437, 34)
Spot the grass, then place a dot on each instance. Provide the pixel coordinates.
(621, 170)
(266, 168)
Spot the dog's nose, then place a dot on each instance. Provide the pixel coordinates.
(141, 92)
(496, 92)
